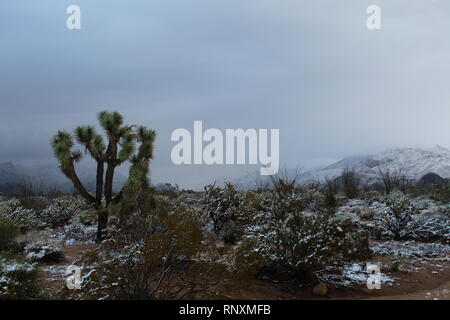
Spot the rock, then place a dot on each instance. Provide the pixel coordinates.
(320, 290)
(43, 253)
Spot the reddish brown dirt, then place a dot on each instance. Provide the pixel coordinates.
(71, 252)
(418, 285)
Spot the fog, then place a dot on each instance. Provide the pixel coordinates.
(311, 69)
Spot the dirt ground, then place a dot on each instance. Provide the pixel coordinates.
(429, 283)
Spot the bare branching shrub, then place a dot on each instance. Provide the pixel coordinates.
(394, 180)
(349, 183)
(332, 185)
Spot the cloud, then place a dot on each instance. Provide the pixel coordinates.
(309, 68)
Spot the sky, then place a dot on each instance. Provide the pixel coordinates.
(311, 69)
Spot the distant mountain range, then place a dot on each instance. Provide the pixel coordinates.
(12, 176)
(412, 162)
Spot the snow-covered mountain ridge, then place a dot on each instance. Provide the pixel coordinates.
(413, 162)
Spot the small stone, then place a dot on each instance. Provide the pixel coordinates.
(320, 290)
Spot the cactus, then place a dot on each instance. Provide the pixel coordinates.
(121, 147)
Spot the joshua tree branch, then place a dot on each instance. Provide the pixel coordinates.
(69, 170)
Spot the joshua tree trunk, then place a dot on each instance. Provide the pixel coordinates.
(102, 223)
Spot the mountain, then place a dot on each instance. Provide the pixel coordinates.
(431, 179)
(413, 162)
(8, 173)
(434, 163)
(44, 177)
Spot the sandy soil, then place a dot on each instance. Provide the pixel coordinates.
(430, 283)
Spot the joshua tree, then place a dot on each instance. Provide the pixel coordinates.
(121, 147)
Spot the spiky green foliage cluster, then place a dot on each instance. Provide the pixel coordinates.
(121, 146)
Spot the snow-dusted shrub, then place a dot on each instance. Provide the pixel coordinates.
(292, 199)
(85, 217)
(301, 244)
(357, 210)
(77, 232)
(19, 280)
(412, 249)
(371, 196)
(37, 252)
(436, 227)
(298, 243)
(60, 211)
(228, 209)
(12, 211)
(395, 221)
(400, 219)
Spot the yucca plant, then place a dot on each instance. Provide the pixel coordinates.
(121, 147)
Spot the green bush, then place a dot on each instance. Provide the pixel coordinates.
(60, 211)
(13, 211)
(397, 219)
(19, 280)
(228, 209)
(8, 234)
(164, 255)
(294, 243)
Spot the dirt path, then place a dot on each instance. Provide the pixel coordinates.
(54, 274)
(440, 293)
(426, 284)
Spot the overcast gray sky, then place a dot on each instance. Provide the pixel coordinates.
(310, 68)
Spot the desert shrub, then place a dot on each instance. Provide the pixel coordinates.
(19, 280)
(295, 243)
(349, 182)
(85, 217)
(12, 211)
(60, 211)
(173, 259)
(395, 221)
(371, 196)
(38, 252)
(440, 192)
(228, 210)
(436, 227)
(291, 198)
(34, 202)
(330, 202)
(303, 244)
(77, 232)
(8, 234)
(393, 180)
